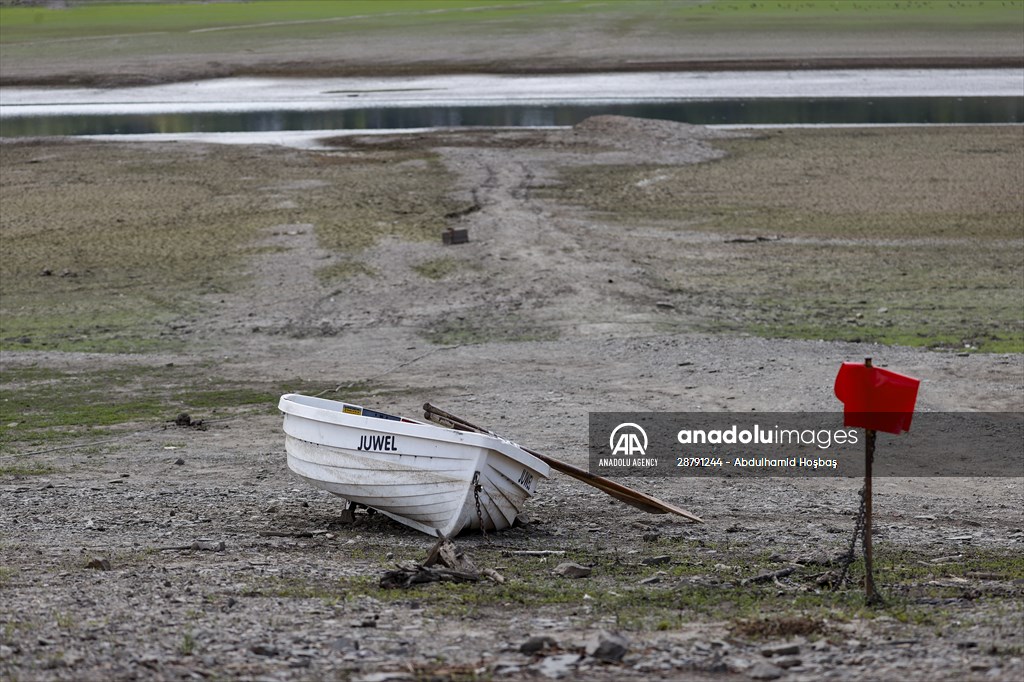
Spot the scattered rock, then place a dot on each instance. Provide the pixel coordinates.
(344, 645)
(537, 644)
(180, 461)
(569, 569)
(264, 650)
(608, 647)
(657, 560)
(781, 650)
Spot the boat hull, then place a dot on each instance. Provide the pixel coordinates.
(436, 480)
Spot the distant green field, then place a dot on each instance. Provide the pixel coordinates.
(85, 19)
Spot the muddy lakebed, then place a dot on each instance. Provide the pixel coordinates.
(601, 271)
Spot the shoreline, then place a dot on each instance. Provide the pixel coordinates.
(320, 94)
(344, 69)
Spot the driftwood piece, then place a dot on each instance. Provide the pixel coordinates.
(444, 563)
(768, 576)
(532, 552)
(409, 574)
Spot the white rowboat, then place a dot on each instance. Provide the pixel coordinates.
(439, 481)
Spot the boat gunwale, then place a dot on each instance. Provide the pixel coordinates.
(294, 405)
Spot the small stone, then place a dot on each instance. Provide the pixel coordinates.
(788, 662)
(180, 461)
(656, 560)
(537, 644)
(608, 647)
(781, 650)
(764, 671)
(344, 645)
(99, 564)
(264, 650)
(571, 570)
(717, 666)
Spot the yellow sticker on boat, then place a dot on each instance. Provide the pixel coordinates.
(351, 409)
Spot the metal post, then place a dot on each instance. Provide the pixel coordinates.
(869, 456)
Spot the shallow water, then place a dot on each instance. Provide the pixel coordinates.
(789, 111)
(728, 98)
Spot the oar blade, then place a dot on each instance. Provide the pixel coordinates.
(634, 498)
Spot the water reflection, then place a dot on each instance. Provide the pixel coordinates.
(751, 111)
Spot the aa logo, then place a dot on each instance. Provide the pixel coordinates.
(628, 439)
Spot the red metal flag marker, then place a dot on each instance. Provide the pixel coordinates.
(876, 400)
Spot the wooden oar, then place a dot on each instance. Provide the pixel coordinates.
(634, 498)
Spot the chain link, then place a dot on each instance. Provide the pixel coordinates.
(479, 512)
(858, 529)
